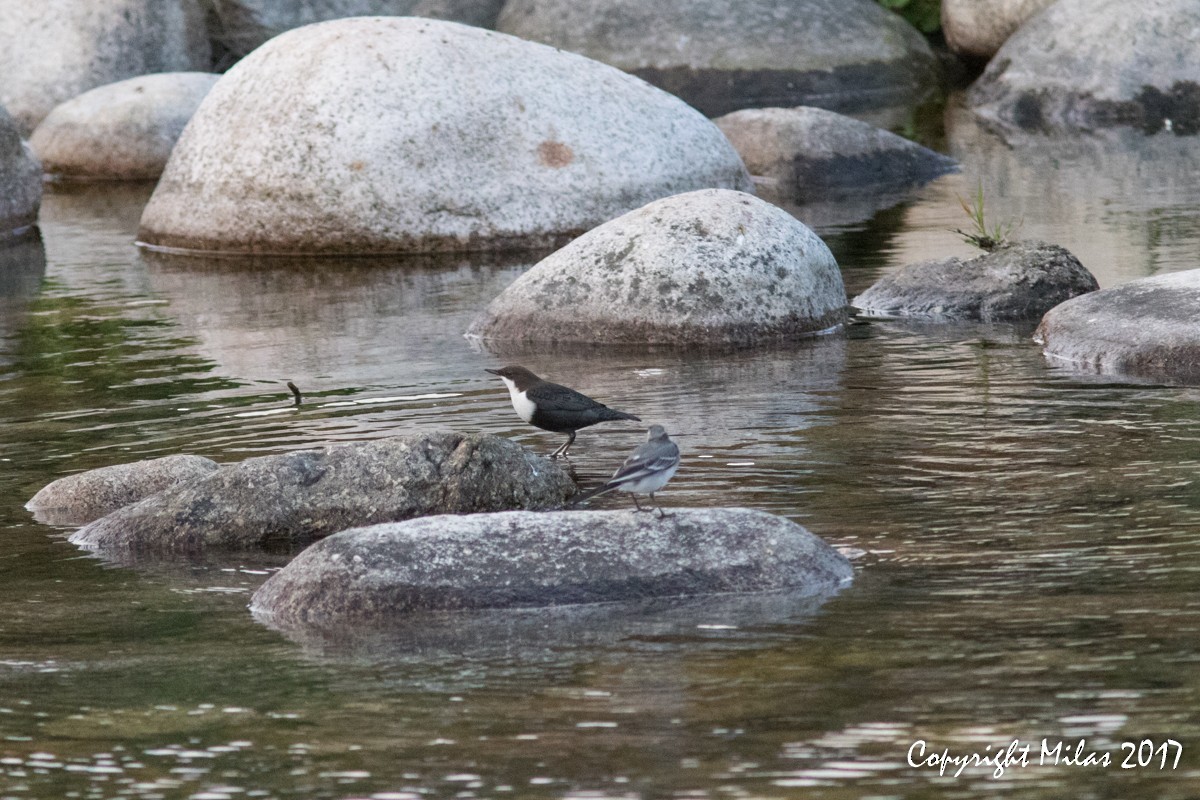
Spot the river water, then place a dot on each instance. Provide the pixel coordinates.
(1026, 538)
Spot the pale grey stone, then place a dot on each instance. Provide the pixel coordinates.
(391, 134)
(88, 496)
(976, 29)
(20, 180)
(1147, 328)
(1018, 281)
(287, 501)
(806, 155)
(123, 131)
(525, 559)
(53, 50)
(708, 267)
(1084, 64)
(842, 54)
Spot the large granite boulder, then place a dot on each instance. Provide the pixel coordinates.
(840, 54)
(388, 134)
(711, 267)
(125, 130)
(1147, 328)
(524, 559)
(88, 496)
(288, 501)
(53, 50)
(975, 29)
(1015, 282)
(1095, 64)
(806, 155)
(242, 25)
(20, 179)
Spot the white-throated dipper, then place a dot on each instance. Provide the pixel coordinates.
(645, 472)
(552, 407)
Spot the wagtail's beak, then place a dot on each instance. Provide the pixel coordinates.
(493, 371)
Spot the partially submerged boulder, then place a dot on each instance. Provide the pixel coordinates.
(242, 25)
(88, 496)
(1017, 281)
(53, 50)
(710, 267)
(20, 180)
(395, 134)
(122, 131)
(1094, 64)
(1147, 328)
(841, 54)
(523, 559)
(809, 154)
(288, 501)
(975, 29)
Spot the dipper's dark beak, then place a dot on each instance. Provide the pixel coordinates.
(493, 371)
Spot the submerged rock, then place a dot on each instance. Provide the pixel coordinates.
(288, 501)
(842, 54)
(245, 24)
(1017, 281)
(1095, 64)
(20, 180)
(1146, 328)
(88, 496)
(389, 134)
(976, 29)
(708, 267)
(524, 559)
(125, 130)
(53, 50)
(809, 154)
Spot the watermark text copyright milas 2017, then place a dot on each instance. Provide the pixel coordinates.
(1144, 754)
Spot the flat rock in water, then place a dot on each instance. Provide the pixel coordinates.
(396, 134)
(88, 496)
(122, 131)
(53, 50)
(712, 267)
(1015, 282)
(285, 502)
(1084, 64)
(1148, 328)
(524, 559)
(841, 54)
(20, 180)
(806, 155)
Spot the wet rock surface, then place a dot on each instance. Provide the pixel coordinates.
(123, 131)
(1084, 64)
(20, 180)
(1146, 328)
(1018, 281)
(843, 54)
(809, 154)
(53, 50)
(525, 559)
(88, 496)
(288, 501)
(395, 134)
(709, 267)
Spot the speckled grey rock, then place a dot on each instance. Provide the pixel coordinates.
(1094, 64)
(243, 25)
(1147, 328)
(843, 54)
(53, 50)
(290, 500)
(124, 130)
(976, 29)
(1018, 281)
(391, 134)
(87, 496)
(524, 559)
(809, 154)
(20, 180)
(710, 267)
